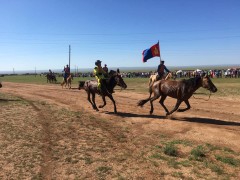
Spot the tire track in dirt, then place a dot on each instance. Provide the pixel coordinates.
(43, 117)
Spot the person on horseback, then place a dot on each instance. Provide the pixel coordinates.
(100, 75)
(160, 70)
(66, 72)
(105, 68)
(50, 72)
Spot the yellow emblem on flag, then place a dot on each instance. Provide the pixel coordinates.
(156, 52)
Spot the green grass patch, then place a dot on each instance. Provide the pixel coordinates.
(103, 169)
(170, 149)
(228, 160)
(198, 153)
(214, 167)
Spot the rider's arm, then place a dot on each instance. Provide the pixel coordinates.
(158, 70)
(166, 69)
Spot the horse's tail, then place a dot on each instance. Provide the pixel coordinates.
(81, 85)
(142, 102)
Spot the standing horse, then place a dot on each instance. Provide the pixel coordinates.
(0, 84)
(180, 90)
(90, 87)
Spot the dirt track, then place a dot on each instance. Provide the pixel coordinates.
(216, 121)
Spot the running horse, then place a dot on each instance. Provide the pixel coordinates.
(67, 82)
(90, 86)
(51, 78)
(180, 90)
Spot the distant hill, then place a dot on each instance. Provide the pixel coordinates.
(130, 69)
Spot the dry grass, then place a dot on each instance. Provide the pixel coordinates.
(42, 141)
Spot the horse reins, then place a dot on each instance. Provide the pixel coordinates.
(202, 98)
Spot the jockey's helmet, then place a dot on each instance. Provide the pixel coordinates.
(98, 62)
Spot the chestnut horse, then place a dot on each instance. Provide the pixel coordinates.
(90, 87)
(180, 90)
(67, 82)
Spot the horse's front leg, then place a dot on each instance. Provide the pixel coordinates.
(104, 102)
(115, 108)
(187, 108)
(176, 107)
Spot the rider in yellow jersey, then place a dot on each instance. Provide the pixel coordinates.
(99, 74)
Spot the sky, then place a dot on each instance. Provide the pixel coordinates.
(36, 34)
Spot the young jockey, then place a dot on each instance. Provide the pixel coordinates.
(105, 68)
(99, 74)
(160, 70)
(66, 72)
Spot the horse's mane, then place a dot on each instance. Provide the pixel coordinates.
(192, 81)
(112, 72)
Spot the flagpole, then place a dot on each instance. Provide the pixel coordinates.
(159, 51)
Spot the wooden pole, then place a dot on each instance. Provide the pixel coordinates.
(69, 58)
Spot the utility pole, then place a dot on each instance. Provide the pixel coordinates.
(69, 58)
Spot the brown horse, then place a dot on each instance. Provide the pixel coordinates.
(180, 90)
(90, 87)
(0, 84)
(51, 78)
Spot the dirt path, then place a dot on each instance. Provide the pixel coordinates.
(216, 121)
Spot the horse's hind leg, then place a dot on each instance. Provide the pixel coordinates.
(93, 101)
(187, 108)
(104, 102)
(176, 107)
(90, 100)
(151, 102)
(162, 103)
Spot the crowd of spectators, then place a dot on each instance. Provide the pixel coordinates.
(222, 73)
(217, 73)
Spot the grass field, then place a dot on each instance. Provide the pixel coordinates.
(226, 86)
